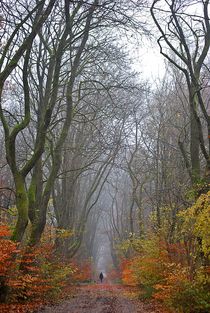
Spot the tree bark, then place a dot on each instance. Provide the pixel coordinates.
(22, 208)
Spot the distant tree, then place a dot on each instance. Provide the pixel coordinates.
(184, 42)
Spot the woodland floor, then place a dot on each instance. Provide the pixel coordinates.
(102, 298)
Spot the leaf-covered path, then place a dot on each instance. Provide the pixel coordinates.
(102, 299)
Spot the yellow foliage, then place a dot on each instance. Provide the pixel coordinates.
(147, 267)
(196, 221)
(64, 233)
(171, 270)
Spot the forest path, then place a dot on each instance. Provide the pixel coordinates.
(102, 298)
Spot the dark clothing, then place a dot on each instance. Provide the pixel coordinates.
(101, 276)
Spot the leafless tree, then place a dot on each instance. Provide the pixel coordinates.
(184, 42)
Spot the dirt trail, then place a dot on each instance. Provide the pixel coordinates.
(101, 299)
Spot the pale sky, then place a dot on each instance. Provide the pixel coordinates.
(148, 60)
(151, 63)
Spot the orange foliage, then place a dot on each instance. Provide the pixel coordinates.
(171, 283)
(146, 268)
(29, 274)
(167, 273)
(27, 279)
(8, 249)
(128, 272)
(20, 307)
(81, 272)
(113, 275)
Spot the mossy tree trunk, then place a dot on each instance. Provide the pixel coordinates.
(11, 57)
(22, 208)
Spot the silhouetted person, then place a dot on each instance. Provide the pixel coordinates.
(101, 276)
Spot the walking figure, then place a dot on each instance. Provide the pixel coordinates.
(101, 276)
